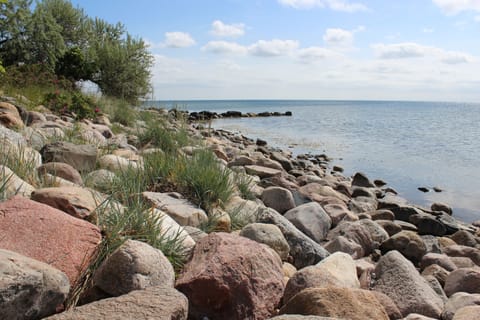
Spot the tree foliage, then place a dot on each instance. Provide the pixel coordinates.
(65, 40)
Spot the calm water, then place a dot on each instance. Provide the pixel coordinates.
(407, 144)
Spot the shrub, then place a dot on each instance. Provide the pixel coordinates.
(205, 180)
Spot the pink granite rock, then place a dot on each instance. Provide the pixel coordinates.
(232, 277)
(49, 235)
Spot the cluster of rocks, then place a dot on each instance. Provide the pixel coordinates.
(210, 115)
(319, 245)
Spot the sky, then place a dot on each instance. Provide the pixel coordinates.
(425, 50)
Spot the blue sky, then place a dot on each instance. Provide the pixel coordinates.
(306, 49)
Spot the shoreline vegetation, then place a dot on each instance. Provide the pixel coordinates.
(112, 211)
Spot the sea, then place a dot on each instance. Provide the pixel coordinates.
(407, 144)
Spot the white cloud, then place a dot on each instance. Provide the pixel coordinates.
(400, 50)
(337, 5)
(477, 18)
(220, 29)
(178, 39)
(428, 30)
(453, 57)
(408, 50)
(455, 6)
(313, 54)
(338, 37)
(224, 47)
(273, 48)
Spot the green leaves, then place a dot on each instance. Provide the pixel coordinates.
(75, 46)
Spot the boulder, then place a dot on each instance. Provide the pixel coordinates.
(181, 210)
(389, 226)
(458, 301)
(403, 213)
(151, 303)
(303, 249)
(463, 280)
(376, 231)
(464, 238)
(170, 229)
(342, 244)
(29, 289)
(463, 251)
(278, 198)
(390, 307)
(463, 262)
(344, 303)
(13, 185)
(262, 172)
(442, 260)
(117, 163)
(361, 180)
(61, 170)
(428, 225)
(362, 204)
(49, 235)
(76, 201)
(408, 243)
(338, 213)
(337, 270)
(9, 116)
(382, 214)
(100, 179)
(231, 277)
(438, 206)
(468, 313)
(436, 271)
(133, 266)
(311, 219)
(356, 232)
(432, 244)
(268, 234)
(283, 160)
(81, 157)
(397, 278)
(317, 192)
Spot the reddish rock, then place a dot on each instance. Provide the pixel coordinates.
(231, 277)
(49, 235)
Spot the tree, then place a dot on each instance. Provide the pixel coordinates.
(15, 18)
(123, 62)
(45, 40)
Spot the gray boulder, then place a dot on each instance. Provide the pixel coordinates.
(268, 234)
(181, 210)
(457, 301)
(133, 266)
(151, 303)
(361, 180)
(29, 289)
(398, 279)
(304, 250)
(278, 198)
(81, 157)
(311, 219)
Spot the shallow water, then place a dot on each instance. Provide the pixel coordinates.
(407, 144)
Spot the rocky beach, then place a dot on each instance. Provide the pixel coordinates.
(296, 239)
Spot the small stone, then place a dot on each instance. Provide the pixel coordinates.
(423, 189)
